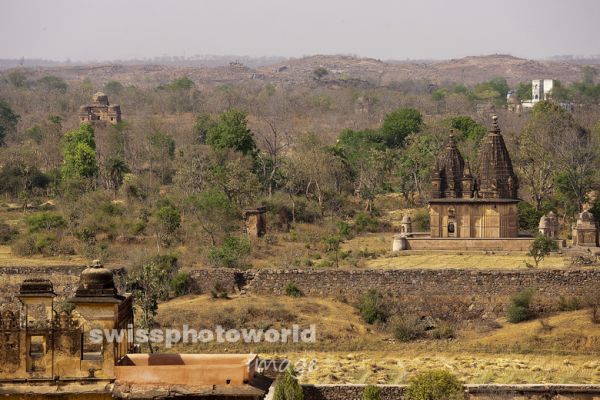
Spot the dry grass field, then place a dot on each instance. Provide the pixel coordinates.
(565, 349)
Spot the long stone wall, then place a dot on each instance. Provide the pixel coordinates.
(447, 293)
(443, 293)
(479, 392)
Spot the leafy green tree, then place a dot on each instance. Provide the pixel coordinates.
(529, 216)
(232, 173)
(287, 386)
(552, 143)
(231, 132)
(368, 161)
(398, 124)
(150, 283)
(231, 253)
(415, 164)
(468, 128)
(333, 243)
(560, 92)
(202, 125)
(524, 91)
(494, 89)
(21, 177)
(214, 212)
(168, 220)
(51, 82)
(44, 221)
(115, 169)
(79, 153)
(434, 385)
(541, 247)
(8, 121)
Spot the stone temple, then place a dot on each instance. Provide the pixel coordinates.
(470, 211)
(100, 110)
(464, 206)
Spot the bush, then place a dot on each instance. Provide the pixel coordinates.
(569, 303)
(434, 385)
(344, 229)
(180, 283)
(292, 290)
(46, 244)
(520, 306)
(592, 300)
(287, 386)
(44, 221)
(371, 392)
(363, 222)
(231, 254)
(420, 221)
(372, 308)
(7, 233)
(444, 330)
(406, 328)
(529, 217)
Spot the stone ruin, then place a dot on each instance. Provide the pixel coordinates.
(585, 231)
(255, 221)
(100, 110)
(548, 225)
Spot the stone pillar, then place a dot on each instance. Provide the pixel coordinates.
(406, 225)
(255, 221)
(544, 226)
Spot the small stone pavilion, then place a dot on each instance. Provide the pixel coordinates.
(49, 352)
(585, 231)
(468, 212)
(100, 110)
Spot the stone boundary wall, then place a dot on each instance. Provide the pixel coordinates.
(455, 294)
(481, 392)
(443, 293)
(424, 282)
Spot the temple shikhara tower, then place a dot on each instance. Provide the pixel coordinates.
(465, 206)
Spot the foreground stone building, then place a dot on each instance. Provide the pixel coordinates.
(45, 351)
(100, 110)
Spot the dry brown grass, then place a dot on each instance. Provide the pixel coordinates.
(350, 351)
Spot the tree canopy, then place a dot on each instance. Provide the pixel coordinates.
(398, 124)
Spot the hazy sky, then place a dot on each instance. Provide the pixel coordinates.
(398, 29)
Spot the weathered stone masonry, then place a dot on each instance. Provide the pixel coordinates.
(459, 293)
(447, 293)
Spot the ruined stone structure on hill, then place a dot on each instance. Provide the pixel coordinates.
(100, 110)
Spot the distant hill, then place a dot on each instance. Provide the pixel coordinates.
(347, 70)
